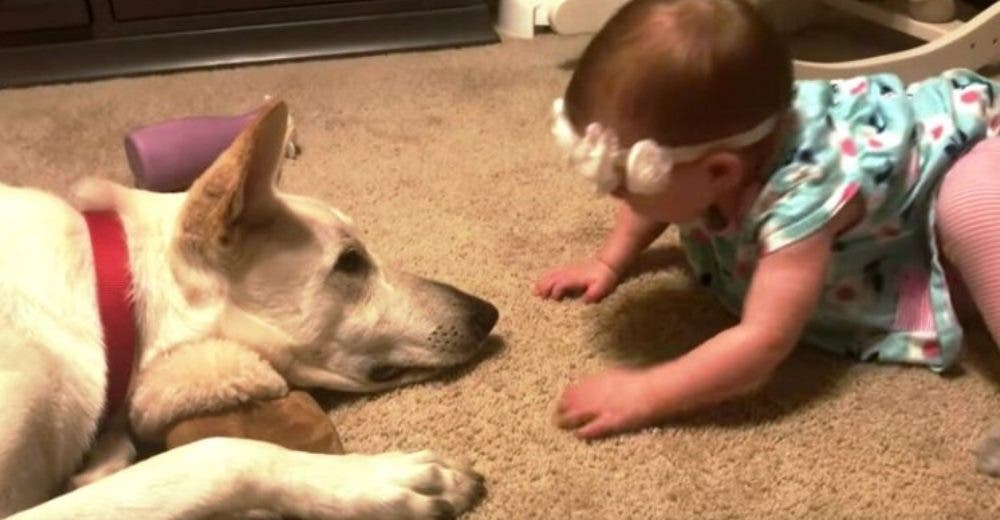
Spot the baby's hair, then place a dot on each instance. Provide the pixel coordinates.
(681, 72)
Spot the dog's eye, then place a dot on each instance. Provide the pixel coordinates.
(351, 261)
(385, 373)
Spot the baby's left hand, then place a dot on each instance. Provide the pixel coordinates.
(609, 402)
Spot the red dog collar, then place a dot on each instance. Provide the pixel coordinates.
(114, 300)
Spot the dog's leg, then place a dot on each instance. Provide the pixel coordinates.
(39, 445)
(25, 477)
(113, 451)
(220, 475)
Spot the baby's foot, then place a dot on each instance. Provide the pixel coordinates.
(607, 403)
(989, 454)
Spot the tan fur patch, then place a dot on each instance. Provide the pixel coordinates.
(218, 198)
(294, 421)
(199, 377)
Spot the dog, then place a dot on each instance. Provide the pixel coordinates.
(273, 290)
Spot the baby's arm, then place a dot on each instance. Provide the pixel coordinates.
(596, 277)
(630, 236)
(783, 295)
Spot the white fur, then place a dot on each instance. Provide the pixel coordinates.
(223, 475)
(52, 366)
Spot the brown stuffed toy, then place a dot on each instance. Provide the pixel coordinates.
(221, 388)
(295, 421)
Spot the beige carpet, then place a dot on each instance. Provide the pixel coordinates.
(445, 160)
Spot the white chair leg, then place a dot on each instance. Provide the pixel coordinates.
(972, 45)
(520, 18)
(582, 16)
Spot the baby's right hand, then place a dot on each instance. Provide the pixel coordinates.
(593, 278)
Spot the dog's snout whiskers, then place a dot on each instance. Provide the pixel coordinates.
(449, 338)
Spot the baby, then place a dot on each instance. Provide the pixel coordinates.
(818, 211)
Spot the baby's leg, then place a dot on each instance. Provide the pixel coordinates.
(968, 225)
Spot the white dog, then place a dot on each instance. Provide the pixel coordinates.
(273, 290)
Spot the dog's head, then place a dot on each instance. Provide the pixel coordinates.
(303, 290)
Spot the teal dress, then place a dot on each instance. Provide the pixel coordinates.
(885, 296)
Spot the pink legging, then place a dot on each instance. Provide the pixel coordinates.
(968, 226)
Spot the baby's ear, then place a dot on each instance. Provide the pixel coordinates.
(725, 170)
(196, 378)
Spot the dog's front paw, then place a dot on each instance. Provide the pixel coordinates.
(421, 485)
(988, 455)
(411, 486)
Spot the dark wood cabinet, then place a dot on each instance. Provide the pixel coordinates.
(27, 15)
(140, 9)
(44, 41)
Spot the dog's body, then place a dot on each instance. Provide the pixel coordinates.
(281, 281)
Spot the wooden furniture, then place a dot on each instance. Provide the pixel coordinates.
(972, 43)
(43, 41)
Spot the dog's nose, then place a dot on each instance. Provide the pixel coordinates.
(484, 315)
(481, 315)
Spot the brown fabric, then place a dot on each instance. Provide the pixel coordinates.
(295, 421)
(445, 161)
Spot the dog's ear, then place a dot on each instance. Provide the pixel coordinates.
(237, 191)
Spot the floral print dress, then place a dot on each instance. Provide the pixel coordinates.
(885, 295)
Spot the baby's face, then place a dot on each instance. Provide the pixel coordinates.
(688, 196)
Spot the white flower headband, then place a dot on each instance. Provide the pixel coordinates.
(644, 168)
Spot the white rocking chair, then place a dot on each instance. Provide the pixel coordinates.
(971, 44)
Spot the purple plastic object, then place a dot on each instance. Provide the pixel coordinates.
(169, 156)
